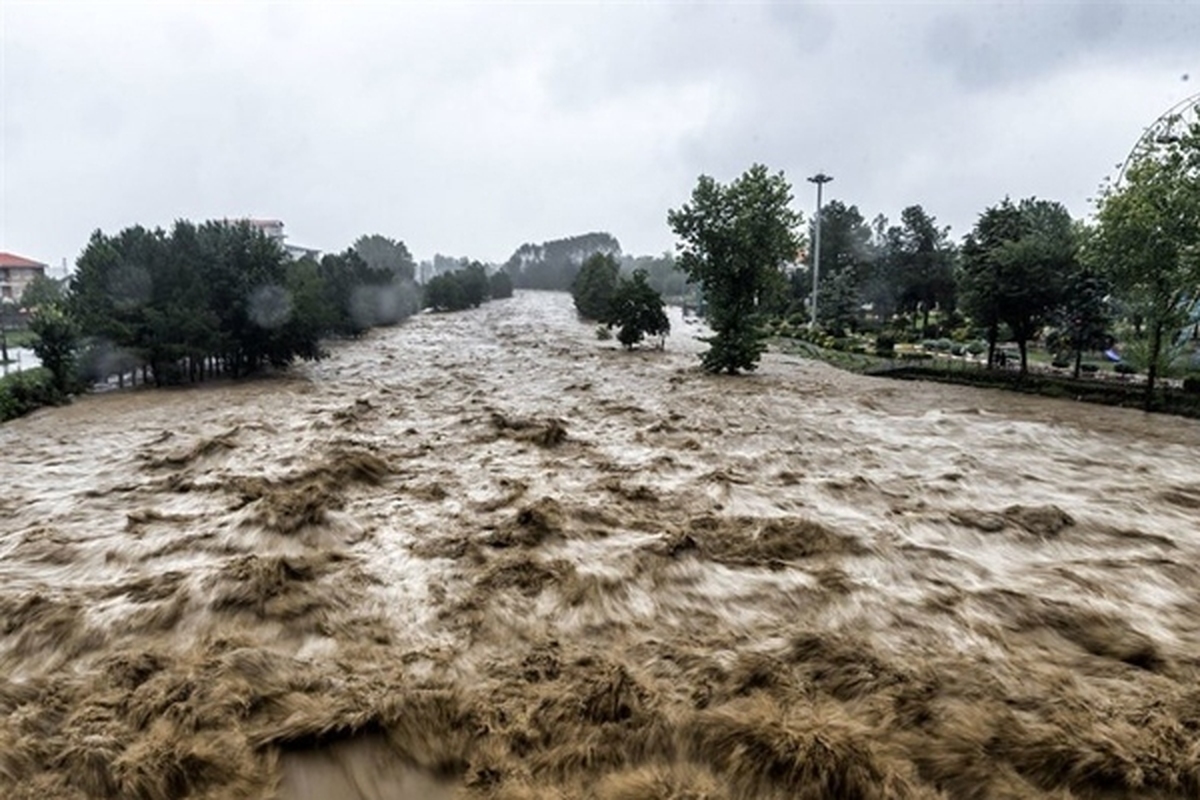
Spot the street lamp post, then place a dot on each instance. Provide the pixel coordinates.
(820, 179)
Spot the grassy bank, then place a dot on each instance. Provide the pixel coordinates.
(1167, 399)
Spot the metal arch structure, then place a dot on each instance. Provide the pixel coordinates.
(1164, 130)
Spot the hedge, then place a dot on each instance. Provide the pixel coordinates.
(22, 392)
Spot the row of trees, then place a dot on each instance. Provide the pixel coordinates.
(1025, 268)
(215, 298)
(467, 287)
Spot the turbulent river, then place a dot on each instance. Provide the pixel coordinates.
(486, 555)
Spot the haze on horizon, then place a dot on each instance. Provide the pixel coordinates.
(470, 128)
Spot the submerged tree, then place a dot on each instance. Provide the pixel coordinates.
(500, 285)
(593, 288)
(734, 241)
(636, 309)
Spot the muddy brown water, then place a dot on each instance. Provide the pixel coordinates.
(487, 555)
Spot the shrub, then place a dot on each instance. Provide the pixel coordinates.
(23, 392)
(58, 339)
(957, 350)
(603, 333)
(929, 345)
(1191, 384)
(1060, 363)
(943, 345)
(1122, 368)
(1088, 368)
(885, 345)
(976, 348)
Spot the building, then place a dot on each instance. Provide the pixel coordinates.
(16, 273)
(273, 229)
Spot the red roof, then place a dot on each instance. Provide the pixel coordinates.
(10, 260)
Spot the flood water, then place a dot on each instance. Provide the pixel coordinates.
(486, 555)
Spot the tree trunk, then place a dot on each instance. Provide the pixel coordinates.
(1078, 359)
(1152, 372)
(1023, 346)
(992, 335)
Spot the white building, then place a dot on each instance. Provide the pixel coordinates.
(273, 229)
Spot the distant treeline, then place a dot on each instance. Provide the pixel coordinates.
(554, 264)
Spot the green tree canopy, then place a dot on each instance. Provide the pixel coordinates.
(1015, 268)
(41, 291)
(847, 257)
(919, 259)
(467, 287)
(734, 242)
(1084, 314)
(500, 285)
(1147, 240)
(56, 343)
(594, 286)
(386, 255)
(637, 310)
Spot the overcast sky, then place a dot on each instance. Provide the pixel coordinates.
(469, 128)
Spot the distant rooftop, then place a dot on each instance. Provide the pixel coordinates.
(10, 260)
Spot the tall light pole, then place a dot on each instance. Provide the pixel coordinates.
(820, 179)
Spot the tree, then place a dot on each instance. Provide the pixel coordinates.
(735, 240)
(1148, 240)
(41, 291)
(1083, 315)
(594, 286)
(56, 343)
(917, 260)
(500, 285)
(458, 290)
(846, 261)
(1015, 267)
(637, 309)
(386, 255)
(445, 293)
(475, 284)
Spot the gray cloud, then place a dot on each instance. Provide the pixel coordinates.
(470, 128)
